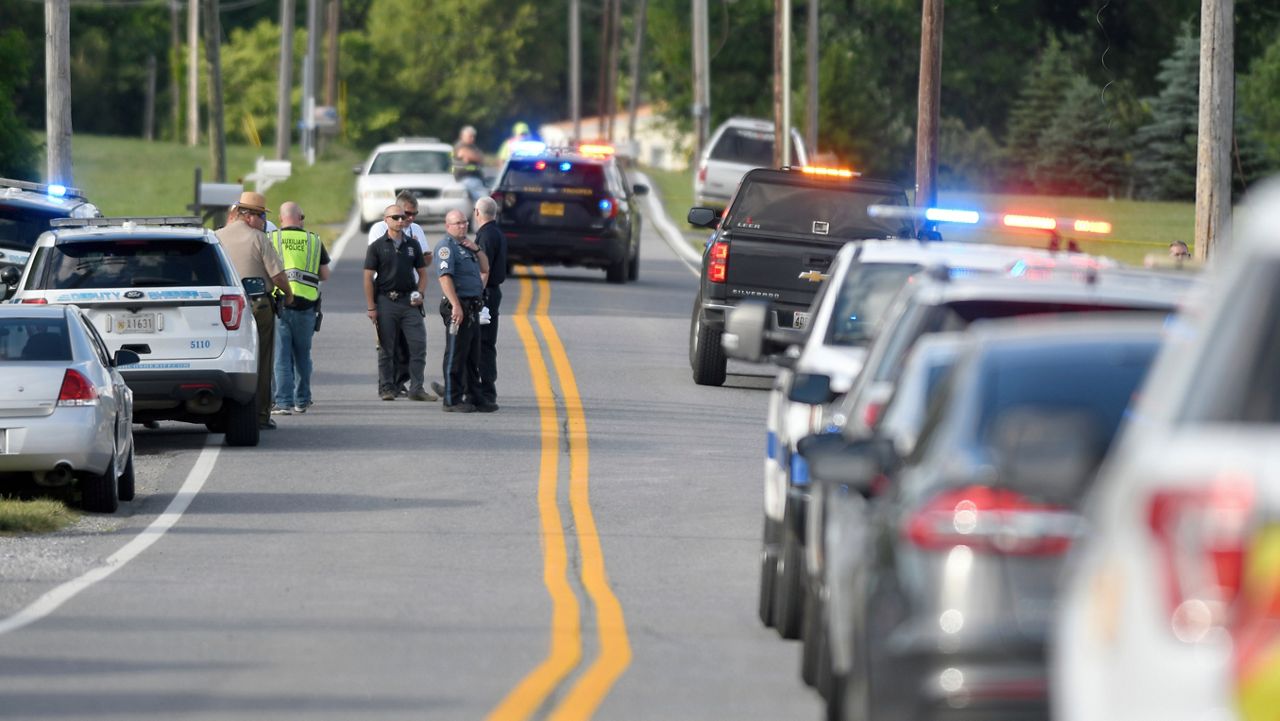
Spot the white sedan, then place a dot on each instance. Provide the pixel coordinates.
(422, 167)
(65, 411)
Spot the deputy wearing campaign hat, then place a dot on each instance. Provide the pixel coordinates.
(253, 256)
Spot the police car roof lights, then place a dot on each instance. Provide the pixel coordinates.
(822, 172)
(167, 220)
(528, 147)
(53, 190)
(948, 215)
(599, 149)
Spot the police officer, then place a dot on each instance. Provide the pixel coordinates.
(409, 206)
(306, 263)
(468, 162)
(494, 244)
(462, 268)
(394, 302)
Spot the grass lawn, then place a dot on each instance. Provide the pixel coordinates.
(1138, 227)
(37, 516)
(128, 176)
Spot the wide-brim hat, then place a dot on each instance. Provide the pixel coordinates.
(250, 200)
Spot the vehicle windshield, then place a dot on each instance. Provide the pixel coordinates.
(19, 227)
(554, 176)
(411, 162)
(34, 339)
(748, 147)
(133, 263)
(867, 291)
(835, 212)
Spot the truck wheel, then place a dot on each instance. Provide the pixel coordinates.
(786, 591)
(98, 493)
(705, 352)
(633, 269)
(616, 272)
(242, 422)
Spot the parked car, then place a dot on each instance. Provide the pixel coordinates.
(1154, 621)
(945, 609)
(66, 409)
(422, 166)
(25, 212)
(738, 145)
(165, 289)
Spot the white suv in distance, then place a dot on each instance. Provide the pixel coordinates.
(165, 289)
(738, 145)
(422, 166)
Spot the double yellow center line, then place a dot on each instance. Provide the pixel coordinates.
(581, 697)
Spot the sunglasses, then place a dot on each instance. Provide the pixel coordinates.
(397, 216)
(457, 222)
(411, 213)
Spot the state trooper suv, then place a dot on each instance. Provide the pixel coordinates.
(25, 212)
(165, 289)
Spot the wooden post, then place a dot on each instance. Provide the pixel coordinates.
(217, 130)
(811, 79)
(57, 116)
(602, 86)
(284, 84)
(1217, 105)
(927, 103)
(331, 54)
(780, 89)
(149, 108)
(615, 53)
(575, 68)
(701, 79)
(193, 72)
(637, 56)
(175, 61)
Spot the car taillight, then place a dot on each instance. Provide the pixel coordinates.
(872, 413)
(232, 311)
(718, 265)
(702, 174)
(608, 207)
(35, 301)
(994, 520)
(77, 390)
(1200, 535)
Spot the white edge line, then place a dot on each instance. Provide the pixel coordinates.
(53, 599)
(349, 232)
(691, 258)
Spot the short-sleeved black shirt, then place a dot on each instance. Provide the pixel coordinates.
(494, 244)
(394, 265)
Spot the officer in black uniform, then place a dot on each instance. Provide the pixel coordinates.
(462, 268)
(494, 245)
(394, 303)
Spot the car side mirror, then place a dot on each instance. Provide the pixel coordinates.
(640, 189)
(703, 218)
(811, 388)
(744, 331)
(11, 275)
(254, 287)
(125, 358)
(833, 459)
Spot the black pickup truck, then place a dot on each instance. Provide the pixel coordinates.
(775, 242)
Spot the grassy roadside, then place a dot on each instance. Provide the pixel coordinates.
(128, 176)
(37, 516)
(1139, 227)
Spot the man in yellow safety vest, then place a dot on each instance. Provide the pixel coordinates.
(306, 263)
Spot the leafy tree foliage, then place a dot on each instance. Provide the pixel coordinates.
(1081, 150)
(968, 159)
(1043, 92)
(17, 147)
(1260, 100)
(1165, 161)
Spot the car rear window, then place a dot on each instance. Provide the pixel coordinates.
(411, 162)
(554, 175)
(867, 291)
(19, 227)
(34, 339)
(133, 263)
(749, 147)
(835, 212)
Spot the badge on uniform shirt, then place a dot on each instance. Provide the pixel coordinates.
(443, 253)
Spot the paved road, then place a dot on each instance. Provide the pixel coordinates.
(590, 551)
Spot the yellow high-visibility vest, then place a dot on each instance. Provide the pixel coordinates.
(300, 251)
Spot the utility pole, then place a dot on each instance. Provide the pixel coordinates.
(331, 53)
(637, 55)
(57, 69)
(927, 103)
(213, 53)
(175, 58)
(193, 72)
(149, 108)
(602, 86)
(701, 79)
(575, 68)
(309, 83)
(615, 53)
(811, 78)
(781, 83)
(1217, 105)
(284, 89)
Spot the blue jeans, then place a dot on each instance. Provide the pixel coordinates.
(294, 329)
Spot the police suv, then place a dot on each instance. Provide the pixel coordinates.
(25, 212)
(165, 289)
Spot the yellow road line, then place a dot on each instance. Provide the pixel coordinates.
(615, 647)
(566, 636)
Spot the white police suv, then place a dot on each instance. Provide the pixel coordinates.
(165, 289)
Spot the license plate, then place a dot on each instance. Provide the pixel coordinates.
(136, 323)
(800, 320)
(556, 209)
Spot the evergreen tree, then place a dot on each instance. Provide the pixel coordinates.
(1259, 99)
(1042, 93)
(1080, 151)
(1165, 152)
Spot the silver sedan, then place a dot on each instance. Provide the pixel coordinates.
(65, 411)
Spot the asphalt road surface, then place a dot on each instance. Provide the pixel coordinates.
(589, 551)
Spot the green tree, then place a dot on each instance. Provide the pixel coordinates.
(1260, 101)
(1081, 151)
(18, 151)
(1165, 156)
(968, 159)
(1043, 92)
